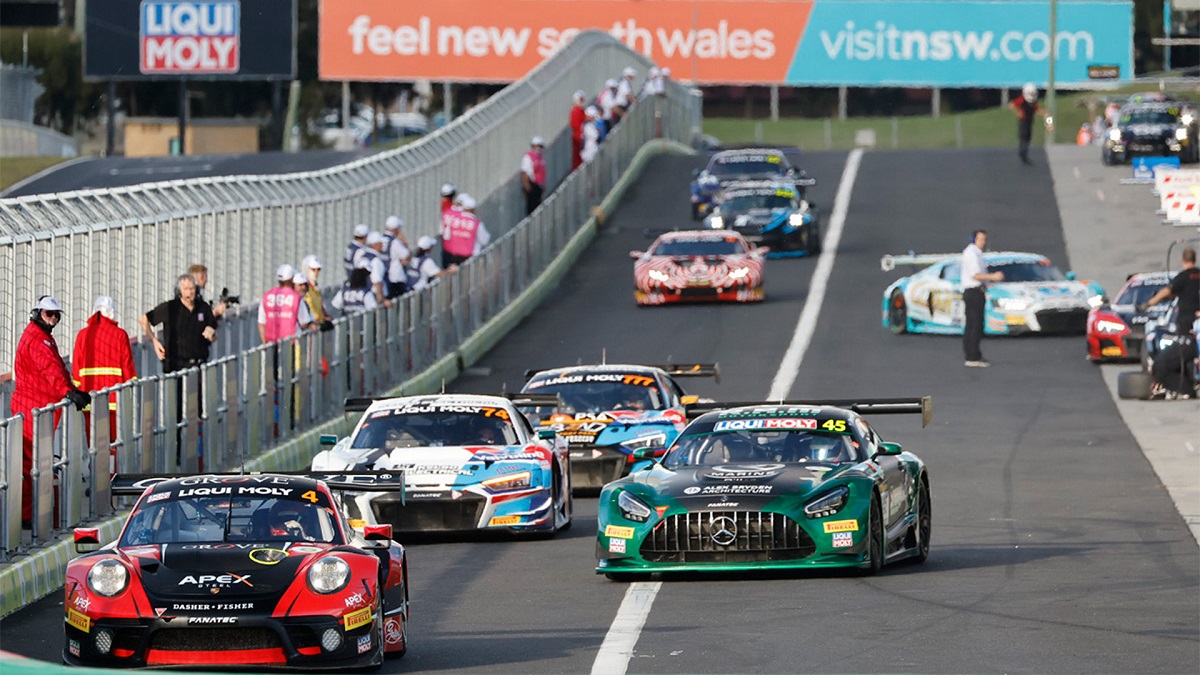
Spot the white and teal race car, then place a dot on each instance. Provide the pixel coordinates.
(1035, 297)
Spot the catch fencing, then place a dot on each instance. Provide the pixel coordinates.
(240, 404)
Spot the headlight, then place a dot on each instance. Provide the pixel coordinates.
(633, 508)
(108, 578)
(328, 575)
(716, 222)
(1114, 135)
(708, 180)
(1181, 134)
(739, 273)
(1012, 304)
(659, 276)
(1107, 326)
(797, 219)
(651, 441)
(1187, 119)
(1095, 300)
(827, 505)
(512, 481)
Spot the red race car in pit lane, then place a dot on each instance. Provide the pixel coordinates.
(698, 266)
(258, 570)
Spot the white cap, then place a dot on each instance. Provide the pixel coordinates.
(666, 72)
(580, 95)
(48, 303)
(610, 83)
(466, 201)
(299, 279)
(374, 238)
(312, 262)
(361, 230)
(285, 272)
(105, 305)
(426, 242)
(591, 111)
(393, 222)
(653, 71)
(1030, 91)
(538, 140)
(629, 72)
(362, 263)
(448, 189)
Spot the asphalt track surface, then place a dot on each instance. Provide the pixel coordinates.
(1055, 549)
(109, 172)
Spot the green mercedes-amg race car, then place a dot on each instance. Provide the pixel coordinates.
(770, 486)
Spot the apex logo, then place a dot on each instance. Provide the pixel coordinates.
(215, 580)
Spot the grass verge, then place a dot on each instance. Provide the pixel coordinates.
(16, 169)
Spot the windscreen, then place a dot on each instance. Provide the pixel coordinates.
(588, 394)
(711, 448)
(1136, 295)
(699, 248)
(224, 518)
(436, 427)
(1028, 271)
(764, 202)
(1149, 117)
(752, 165)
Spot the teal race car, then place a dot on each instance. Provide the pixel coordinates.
(771, 486)
(1035, 297)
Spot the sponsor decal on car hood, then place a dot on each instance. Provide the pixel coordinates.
(750, 484)
(224, 571)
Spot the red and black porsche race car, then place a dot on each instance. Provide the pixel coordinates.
(246, 570)
(1116, 330)
(698, 266)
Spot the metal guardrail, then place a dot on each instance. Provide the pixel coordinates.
(242, 404)
(132, 242)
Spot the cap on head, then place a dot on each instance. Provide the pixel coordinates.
(466, 202)
(374, 238)
(629, 72)
(299, 279)
(538, 141)
(312, 262)
(1030, 91)
(426, 242)
(285, 272)
(610, 83)
(448, 189)
(394, 222)
(580, 96)
(592, 111)
(105, 305)
(653, 72)
(361, 230)
(666, 72)
(48, 303)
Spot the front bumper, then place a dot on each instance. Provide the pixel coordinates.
(253, 641)
(658, 295)
(594, 467)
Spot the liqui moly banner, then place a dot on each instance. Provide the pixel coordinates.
(189, 38)
(207, 39)
(947, 43)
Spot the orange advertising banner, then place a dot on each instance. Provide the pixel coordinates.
(709, 41)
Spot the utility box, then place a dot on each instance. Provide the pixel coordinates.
(159, 136)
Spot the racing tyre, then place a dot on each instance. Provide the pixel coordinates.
(898, 313)
(875, 550)
(924, 523)
(695, 212)
(1134, 384)
(814, 241)
(1106, 157)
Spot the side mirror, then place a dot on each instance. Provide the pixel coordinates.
(695, 173)
(328, 439)
(762, 250)
(889, 449)
(636, 254)
(546, 433)
(379, 534)
(647, 453)
(1071, 276)
(87, 539)
(689, 399)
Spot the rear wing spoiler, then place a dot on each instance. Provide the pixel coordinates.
(712, 370)
(889, 262)
(356, 481)
(534, 400)
(360, 404)
(862, 406)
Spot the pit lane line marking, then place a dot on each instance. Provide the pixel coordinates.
(617, 649)
(807, 324)
(622, 637)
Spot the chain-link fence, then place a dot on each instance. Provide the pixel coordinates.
(245, 402)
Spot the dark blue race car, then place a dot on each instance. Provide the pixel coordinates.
(771, 214)
(730, 166)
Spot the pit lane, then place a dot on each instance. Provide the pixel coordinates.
(1055, 549)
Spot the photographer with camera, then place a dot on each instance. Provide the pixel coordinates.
(224, 301)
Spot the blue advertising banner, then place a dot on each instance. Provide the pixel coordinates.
(953, 43)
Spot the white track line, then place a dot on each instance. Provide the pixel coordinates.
(790, 367)
(613, 657)
(622, 636)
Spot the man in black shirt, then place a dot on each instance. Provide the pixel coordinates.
(1186, 287)
(189, 327)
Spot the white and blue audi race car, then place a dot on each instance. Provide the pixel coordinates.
(470, 463)
(1035, 297)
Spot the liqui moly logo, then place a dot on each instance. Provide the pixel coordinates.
(190, 37)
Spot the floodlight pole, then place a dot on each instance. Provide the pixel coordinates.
(1050, 102)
